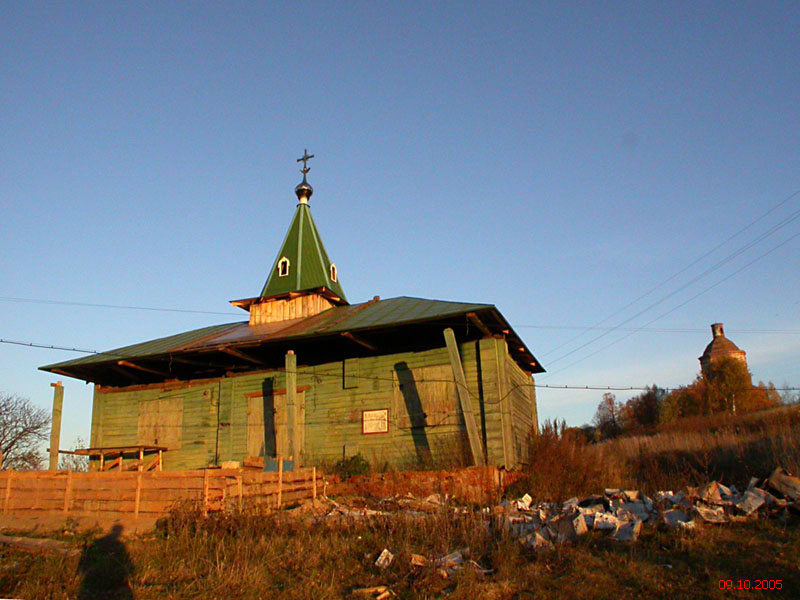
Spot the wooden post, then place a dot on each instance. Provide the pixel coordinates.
(8, 491)
(504, 405)
(55, 423)
(102, 460)
(159, 460)
(205, 493)
(239, 490)
(138, 498)
(68, 491)
(291, 407)
(141, 459)
(475, 445)
(280, 480)
(313, 483)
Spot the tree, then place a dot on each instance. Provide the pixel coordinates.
(22, 428)
(608, 418)
(729, 386)
(643, 410)
(725, 385)
(74, 462)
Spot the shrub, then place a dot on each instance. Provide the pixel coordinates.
(348, 467)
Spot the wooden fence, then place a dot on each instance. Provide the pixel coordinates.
(106, 496)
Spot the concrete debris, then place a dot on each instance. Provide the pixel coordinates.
(785, 484)
(674, 517)
(622, 513)
(712, 514)
(750, 502)
(605, 521)
(629, 531)
(524, 503)
(384, 559)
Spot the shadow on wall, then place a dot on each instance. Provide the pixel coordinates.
(417, 417)
(106, 568)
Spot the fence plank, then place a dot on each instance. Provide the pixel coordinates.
(114, 495)
(8, 491)
(67, 491)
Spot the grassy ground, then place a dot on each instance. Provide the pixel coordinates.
(280, 556)
(293, 554)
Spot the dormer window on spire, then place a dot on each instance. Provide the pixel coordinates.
(283, 267)
(333, 272)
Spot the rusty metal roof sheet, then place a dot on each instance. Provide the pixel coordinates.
(375, 315)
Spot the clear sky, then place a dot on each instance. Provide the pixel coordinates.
(559, 160)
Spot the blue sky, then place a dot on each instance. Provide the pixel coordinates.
(558, 160)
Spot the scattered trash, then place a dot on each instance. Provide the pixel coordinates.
(384, 559)
(417, 560)
(380, 592)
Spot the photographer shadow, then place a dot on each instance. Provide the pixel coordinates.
(106, 568)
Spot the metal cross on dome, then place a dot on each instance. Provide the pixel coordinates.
(304, 159)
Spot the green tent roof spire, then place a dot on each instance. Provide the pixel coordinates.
(302, 263)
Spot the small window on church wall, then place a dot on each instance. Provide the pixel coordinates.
(333, 272)
(283, 267)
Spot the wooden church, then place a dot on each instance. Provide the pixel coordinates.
(311, 378)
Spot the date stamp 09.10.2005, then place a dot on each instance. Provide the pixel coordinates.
(750, 584)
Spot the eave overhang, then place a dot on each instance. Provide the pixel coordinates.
(338, 333)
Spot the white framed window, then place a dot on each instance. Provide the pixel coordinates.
(283, 267)
(333, 272)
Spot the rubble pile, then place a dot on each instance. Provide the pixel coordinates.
(541, 526)
(624, 513)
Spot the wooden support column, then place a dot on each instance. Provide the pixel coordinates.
(505, 404)
(55, 423)
(475, 445)
(291, 406)
(280, 482)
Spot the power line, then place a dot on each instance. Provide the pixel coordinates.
(795, 215)
(683, 270)
(312, 375)
(117, 306)
(673, 309)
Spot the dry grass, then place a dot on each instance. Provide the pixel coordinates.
(725, 448)
(277, 556)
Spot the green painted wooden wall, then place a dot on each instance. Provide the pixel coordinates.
(425, 426)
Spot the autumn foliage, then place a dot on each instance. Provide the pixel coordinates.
(724, 387)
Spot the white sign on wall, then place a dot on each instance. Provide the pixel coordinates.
(375, 421)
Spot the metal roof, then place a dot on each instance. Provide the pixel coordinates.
(309, 267)
(396, 321)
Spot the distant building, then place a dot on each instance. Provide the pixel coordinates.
(720, 347)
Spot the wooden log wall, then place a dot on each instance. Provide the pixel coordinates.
(207, 422)
(150, 495)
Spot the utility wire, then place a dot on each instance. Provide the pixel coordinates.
(683, 270)
(119, 306)
(794, 216)
(673, 309)
(317, 375)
